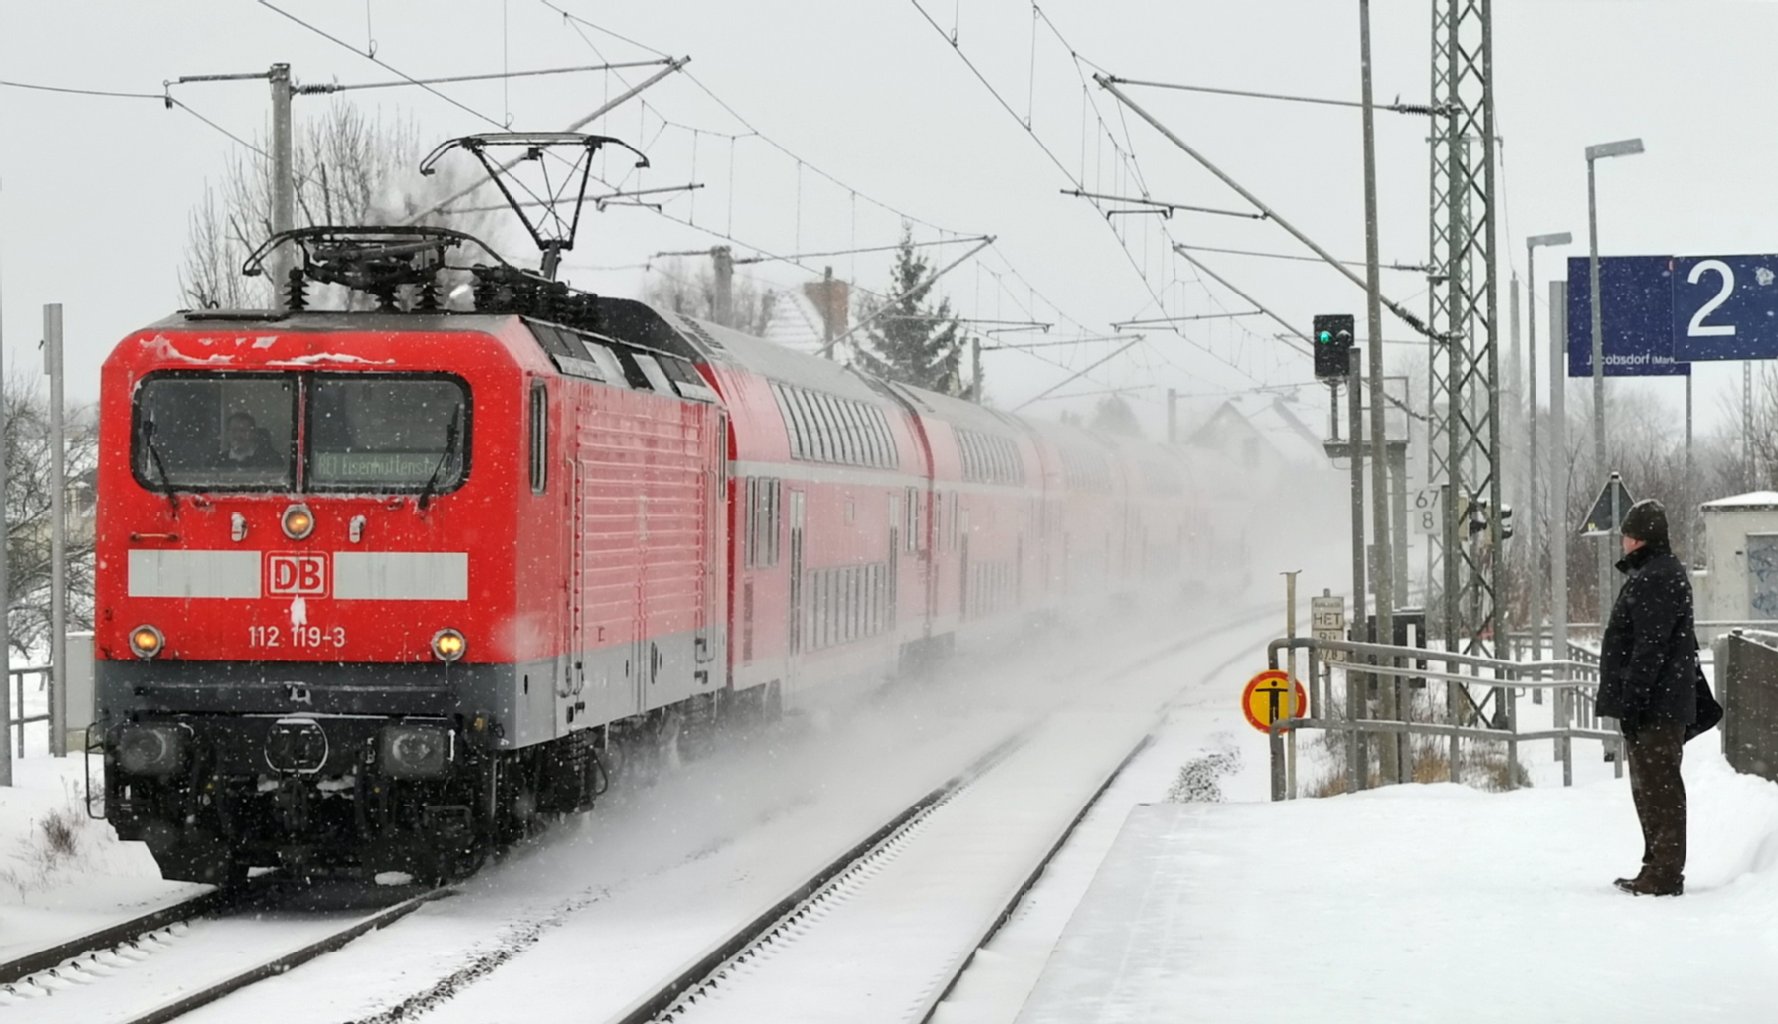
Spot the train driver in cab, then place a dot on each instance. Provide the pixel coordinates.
(246, 446)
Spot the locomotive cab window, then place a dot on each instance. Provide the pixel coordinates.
(385, 433)
(215, 432)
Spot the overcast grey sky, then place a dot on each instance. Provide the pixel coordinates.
(94, 192)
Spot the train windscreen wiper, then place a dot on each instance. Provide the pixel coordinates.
(160, 467)
(452, 435)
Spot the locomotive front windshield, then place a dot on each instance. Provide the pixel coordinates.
(385, 433)
(216, 432)
(362, 433)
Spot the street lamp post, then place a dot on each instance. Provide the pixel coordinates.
(1627, 147)
(1538, 579)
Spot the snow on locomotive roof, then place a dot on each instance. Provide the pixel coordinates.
(260, 321)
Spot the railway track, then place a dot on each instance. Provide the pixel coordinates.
(759, 972)
(704, 978)
(74, 980)
(73, 953)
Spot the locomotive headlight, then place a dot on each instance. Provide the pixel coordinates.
(298, 522)
(146, 641)
(146, 748)
(449, 645)
(416, 751)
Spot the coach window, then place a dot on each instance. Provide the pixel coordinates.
(804, 411)
(762, 530)
(861, 439)
(799, 400)
(913, 524)
(831, 427)
(793, 423)
(539, 437)
(873, 429)
(891, 457)
(793, 428)
(850, 450)
(867, 442)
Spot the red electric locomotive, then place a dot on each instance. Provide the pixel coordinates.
(376, 589)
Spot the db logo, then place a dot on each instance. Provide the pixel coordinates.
(296, 575)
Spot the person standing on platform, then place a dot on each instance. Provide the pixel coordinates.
(1649, 680)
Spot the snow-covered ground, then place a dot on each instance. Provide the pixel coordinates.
(1403, 904)
(63, 874)
(1422, 903)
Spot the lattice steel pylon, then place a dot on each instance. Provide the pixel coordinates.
(1464, 365)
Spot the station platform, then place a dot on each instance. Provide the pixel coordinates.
(1420, 903)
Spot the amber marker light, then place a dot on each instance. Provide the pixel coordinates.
(449, 645)
(298, 522)
(146, 641)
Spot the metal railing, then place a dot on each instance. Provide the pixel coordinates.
(1708, 630)
(1574, 683)
(17, 723)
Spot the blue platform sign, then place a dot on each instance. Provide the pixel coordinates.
(1636, 298)
(1725, 307)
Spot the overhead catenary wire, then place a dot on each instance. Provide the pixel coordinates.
(167, 100)
(1424, 109)
(671, 65)
(1294, 258)
(73, 91)
(861, 250)
(1054, 159)
(725, 235)
(752, 131)
(324, 88)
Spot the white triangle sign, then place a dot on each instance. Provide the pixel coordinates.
(1600, 522)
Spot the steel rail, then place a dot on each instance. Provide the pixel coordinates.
(284, 962)
(207, 904)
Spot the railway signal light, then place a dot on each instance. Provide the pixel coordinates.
(1333, 344)
(1479, 517)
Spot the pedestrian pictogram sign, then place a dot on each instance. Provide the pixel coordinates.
(1273, 696)
(1609, 510)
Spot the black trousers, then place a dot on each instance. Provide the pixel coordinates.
(1654, 751)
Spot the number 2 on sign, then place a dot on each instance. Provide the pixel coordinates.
(1698, 328)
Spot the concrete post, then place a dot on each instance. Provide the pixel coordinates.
(58, 535)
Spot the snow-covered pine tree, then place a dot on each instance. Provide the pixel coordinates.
(913, 342)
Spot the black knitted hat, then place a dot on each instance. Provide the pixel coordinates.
(1647, 522)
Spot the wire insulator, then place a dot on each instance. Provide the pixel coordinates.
(296, 296)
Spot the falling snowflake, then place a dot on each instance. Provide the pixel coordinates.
(1764, 276)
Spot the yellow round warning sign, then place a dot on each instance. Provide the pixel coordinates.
(1273, 696)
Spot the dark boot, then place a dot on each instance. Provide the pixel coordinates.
(1643, 885)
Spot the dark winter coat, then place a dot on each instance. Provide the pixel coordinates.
(1648, 662)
